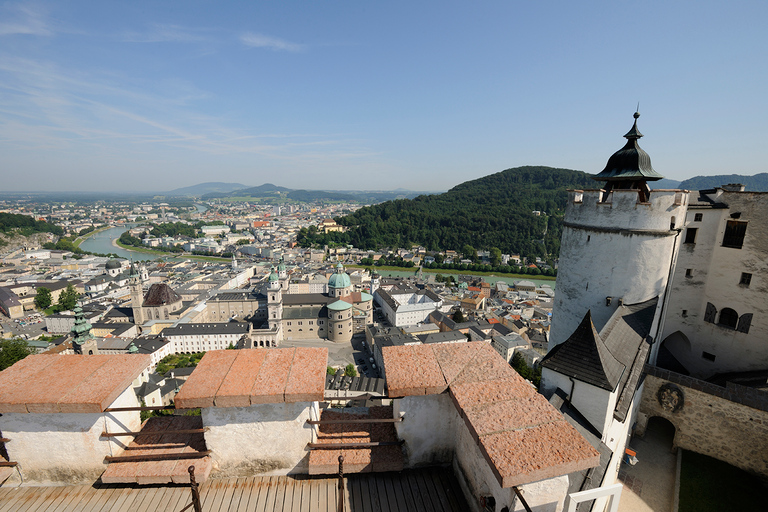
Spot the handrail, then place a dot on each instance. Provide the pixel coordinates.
(156, 456)
(4, 464)
(338, 446)
(352, 420)
(156, 433)
(144, 408)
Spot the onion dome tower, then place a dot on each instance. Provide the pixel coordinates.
(618, 242)
(630, 167)
(81, 331)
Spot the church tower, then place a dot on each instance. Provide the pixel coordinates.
(619, 242)
(137, 296)
(275, 303)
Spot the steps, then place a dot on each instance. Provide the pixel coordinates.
(158, 437)
(324, 458)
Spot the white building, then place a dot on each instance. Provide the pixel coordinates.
(407, 307)
(201, 337)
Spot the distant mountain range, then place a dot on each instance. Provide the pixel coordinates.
(205, 188)
(756, 183)
(268, 192)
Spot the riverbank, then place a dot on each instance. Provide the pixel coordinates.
(454, 272)
(83, 238)
(130, 248)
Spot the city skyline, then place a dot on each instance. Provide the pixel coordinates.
(370, 97)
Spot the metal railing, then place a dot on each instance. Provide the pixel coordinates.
(195, 488)
(340, 504)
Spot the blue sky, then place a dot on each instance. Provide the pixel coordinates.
(148, 95)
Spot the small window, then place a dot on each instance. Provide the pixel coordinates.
(708, 356)
(734, 234)
(728, 318)
(685, 313)
(697, 217)
(689, 272)
(690, 235)
(746, 278)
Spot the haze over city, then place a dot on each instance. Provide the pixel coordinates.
(143, 96)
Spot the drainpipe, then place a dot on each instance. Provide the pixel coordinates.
(665, 302)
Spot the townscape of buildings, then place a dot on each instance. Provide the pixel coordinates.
(660, 296)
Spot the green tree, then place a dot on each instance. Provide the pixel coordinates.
(495, 256)
(43, 298)
(68, 298)
(458, 317)
(350, 370)
(330, 370)
(470, 252)
(12, 351)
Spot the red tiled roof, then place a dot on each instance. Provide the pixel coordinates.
(522, 437)
(68, 383)
(239, 378)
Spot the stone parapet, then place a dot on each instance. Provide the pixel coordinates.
(736, 393)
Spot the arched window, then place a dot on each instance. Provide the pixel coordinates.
(728, 318)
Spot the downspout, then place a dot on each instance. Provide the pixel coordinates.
(665, 302)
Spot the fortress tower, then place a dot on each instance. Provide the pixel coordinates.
(619, 243)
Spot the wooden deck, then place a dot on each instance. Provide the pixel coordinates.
(432, 489)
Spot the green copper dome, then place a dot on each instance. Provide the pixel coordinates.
(340, 279)
(273, 276)
(133, 349)
(281, 266)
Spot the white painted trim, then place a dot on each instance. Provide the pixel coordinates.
(613, 491)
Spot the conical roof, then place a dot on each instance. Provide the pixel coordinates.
(630, 162)
(81, 330)
(585, 357)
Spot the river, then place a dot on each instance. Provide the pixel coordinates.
(102, 242)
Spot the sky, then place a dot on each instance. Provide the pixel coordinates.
(350, 95)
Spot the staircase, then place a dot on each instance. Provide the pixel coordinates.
(366, 438)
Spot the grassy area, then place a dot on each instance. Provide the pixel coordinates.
(447, 271)
(710, 485)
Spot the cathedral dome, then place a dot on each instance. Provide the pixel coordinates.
(273, 276)
(340, 279)
(113, 264)
(281, 267)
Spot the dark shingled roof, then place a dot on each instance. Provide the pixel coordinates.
(160, 294)
(584, 356)
(630, 162)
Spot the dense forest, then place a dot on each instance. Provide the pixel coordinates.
(26, 225)
(495, 211)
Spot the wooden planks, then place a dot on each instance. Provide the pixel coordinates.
(433, 489)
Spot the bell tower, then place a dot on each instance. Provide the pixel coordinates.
(137, 296)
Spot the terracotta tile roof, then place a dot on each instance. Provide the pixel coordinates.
(522, 437)
(240, 378)
(68, 383)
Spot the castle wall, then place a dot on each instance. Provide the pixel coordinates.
(613, 246)
(707, 272)
(729, 424)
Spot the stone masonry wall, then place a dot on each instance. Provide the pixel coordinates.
(729, 424)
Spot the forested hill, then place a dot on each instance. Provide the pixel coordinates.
(756, 183)
(26, 225)
(493, 211)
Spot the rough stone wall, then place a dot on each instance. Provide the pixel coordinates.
(729, 424)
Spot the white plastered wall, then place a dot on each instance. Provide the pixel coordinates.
(60, 449)
(260, 439)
